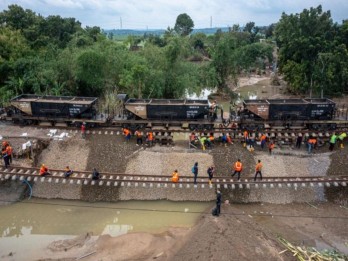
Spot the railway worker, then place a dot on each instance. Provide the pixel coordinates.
(224, 139)
(210, 172)
(299, 141)
(229, 139)
(175, 176)
(139, 136)
(218, 202)
(193, 139)
(271, 147)
(202, 140)
(127, 134)
(211, 137)
(4, 144)
(332, 141)
(263, 140)
(4, 154)
(246, 135)
(237, 167)
(311, 143)
(95, 174)
(258, 169)
(67, 172)
(9, 152)
(213, 110)
(44, 171)
(194, 170)
(83, 130)
(207, 142)
(341, 137)
(150, 138)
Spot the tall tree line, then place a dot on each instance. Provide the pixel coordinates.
(56, 56)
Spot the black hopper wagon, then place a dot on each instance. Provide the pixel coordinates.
(289, 113)
(35, 109)
(193, 114)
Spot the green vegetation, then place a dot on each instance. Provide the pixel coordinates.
(56, 56)
(313, 52)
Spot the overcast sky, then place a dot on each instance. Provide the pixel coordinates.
(159, 14)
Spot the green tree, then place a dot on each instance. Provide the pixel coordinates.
(90, 72)
(183, 25)
(17, 18)
(301, 38)
(222, 60)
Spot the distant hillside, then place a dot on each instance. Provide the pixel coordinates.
(125, 32)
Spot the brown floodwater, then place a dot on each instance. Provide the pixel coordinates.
(30, 226)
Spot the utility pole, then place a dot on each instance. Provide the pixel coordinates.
(121, 23)
(211, 22)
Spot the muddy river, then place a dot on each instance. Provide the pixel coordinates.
(29, 226)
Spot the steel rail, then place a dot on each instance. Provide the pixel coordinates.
(32, 174)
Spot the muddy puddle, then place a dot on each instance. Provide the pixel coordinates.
(30, 226)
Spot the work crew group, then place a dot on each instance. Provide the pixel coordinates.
(237, 169)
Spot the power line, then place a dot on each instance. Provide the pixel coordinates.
(177, 211)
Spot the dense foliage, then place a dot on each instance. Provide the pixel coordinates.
(56, 56)
(313, 52)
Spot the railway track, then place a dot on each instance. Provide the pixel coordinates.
(138, 180)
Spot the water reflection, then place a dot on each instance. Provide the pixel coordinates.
(59, 217)
(30, 226)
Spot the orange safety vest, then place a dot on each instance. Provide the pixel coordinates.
(43, 170)
(263, 137)
(245, 134)
(258, 166)
(312, 141)
(271, 146)
(238, 166)
(150, 136)
(175, 177)
(126, 132)
(9, 150)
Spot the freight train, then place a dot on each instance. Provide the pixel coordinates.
(173, 114)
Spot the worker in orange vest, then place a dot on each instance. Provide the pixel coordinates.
(44, 170)
(246, 135)
(238, 167)
(150, 138)
(263, 140)
(9, 153)
(258, 169)
(175, 176)
(311, 143)
(127, 134)
(6, 153)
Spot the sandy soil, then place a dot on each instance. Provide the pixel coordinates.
(241, 232)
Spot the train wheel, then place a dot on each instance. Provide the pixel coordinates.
(332, 126)
(208, 127)
(140, 126)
